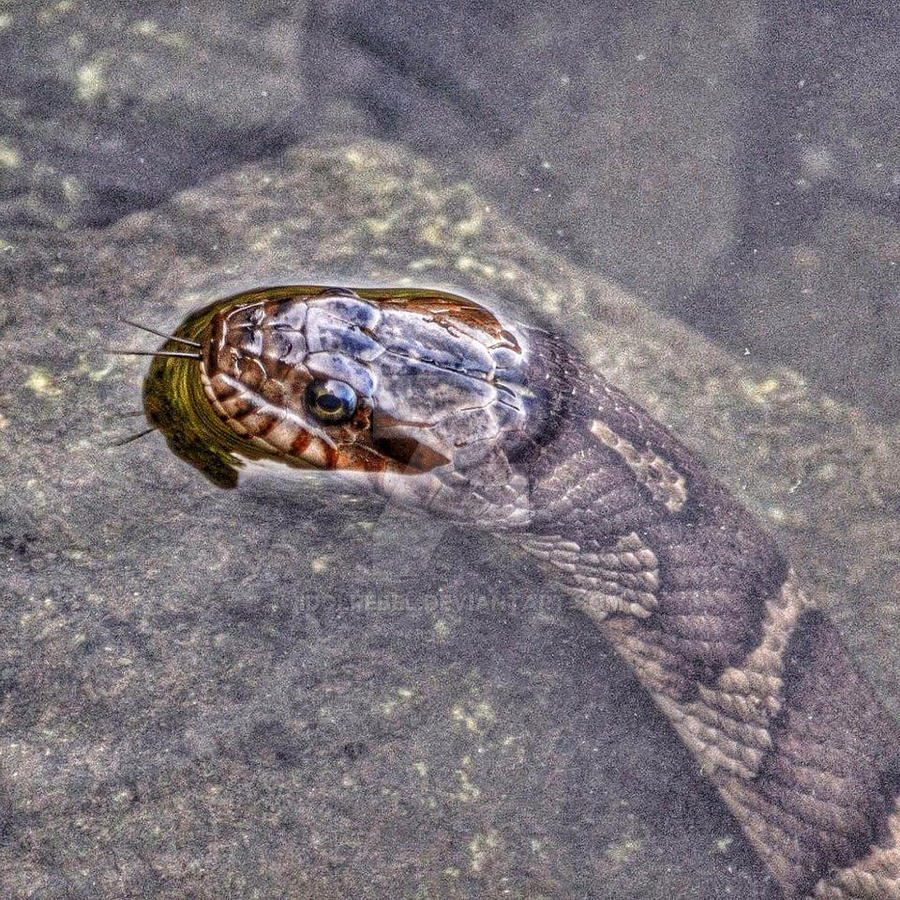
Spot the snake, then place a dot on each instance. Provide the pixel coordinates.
(439, 402)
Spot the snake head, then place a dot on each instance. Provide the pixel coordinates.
(418, 393)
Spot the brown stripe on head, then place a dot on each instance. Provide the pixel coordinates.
(369, 381)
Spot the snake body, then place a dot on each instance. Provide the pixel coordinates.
(434, 400)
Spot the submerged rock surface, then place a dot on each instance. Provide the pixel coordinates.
(286, 691)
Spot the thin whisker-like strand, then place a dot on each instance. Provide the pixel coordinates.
(171, 337)
(184, 355)
(133, 437)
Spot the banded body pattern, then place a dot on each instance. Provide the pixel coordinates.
(754, 679)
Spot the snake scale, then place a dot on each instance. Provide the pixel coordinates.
(434, 400)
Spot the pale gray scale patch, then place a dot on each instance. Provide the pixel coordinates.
(290, 316)
(415, 391)
(466, 436)
(473, 455)
(465, 427)
(666, 484)
(506, 358)
(623, 578)
(419, 338)
(354, 310)
(342, 368)
(508, 412)
(497, 497)
(286, 345)
(327, 333)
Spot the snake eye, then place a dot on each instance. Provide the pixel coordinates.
(331, 401)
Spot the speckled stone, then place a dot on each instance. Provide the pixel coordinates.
(286, 691)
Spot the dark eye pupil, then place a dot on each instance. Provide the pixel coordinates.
(331, 401)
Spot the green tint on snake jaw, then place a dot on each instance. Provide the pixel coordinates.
(375, 381)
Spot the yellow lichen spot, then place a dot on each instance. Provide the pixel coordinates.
(776, 514)
(10, 158)
(804, 257)
(42, 384)
(760, 391)
(467, 790)
(319, 565)
(476, 719)
(622, 852)
(73, 189)
(392, 704)
(49, 13)
(266, 240)
(145, 28)
(484, 714)
(381, 226)
(85, 368)
(419, 265)
(89, 81)
(433, 234)
(470, 225)
(480, 849)
(421, 769)
(441, 630)
(723, 845)
(553, 300)
(5, 21)
(468, 264)
(3, 421)
(827, 473)
(458, 714)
